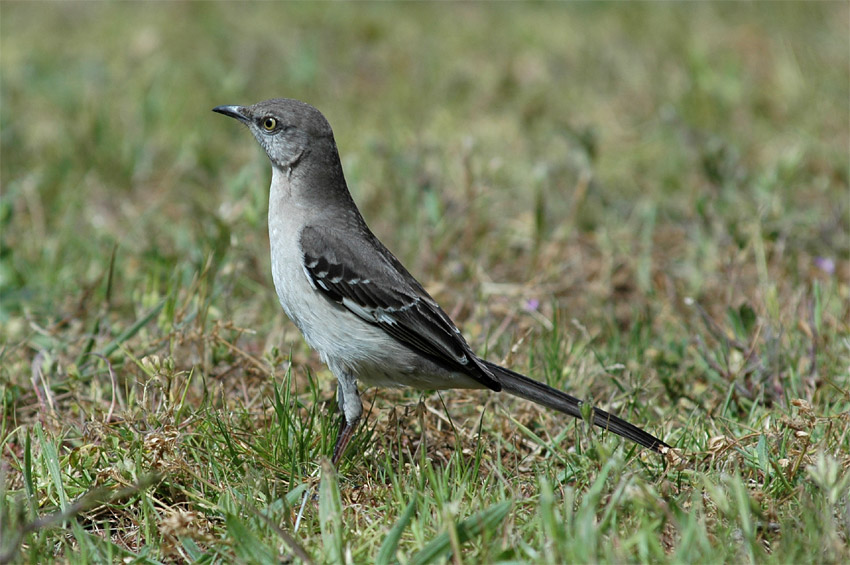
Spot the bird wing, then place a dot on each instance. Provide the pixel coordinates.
(370, 282)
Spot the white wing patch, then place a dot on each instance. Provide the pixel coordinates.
(378, 315)
(309, 278)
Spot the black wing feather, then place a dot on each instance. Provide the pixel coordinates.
(381, 292)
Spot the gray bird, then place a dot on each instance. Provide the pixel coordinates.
(353, 301)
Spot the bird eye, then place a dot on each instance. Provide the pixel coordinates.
(269, 123)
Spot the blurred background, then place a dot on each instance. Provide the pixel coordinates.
(472, 137)
(598, 163)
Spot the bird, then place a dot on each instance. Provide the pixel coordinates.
(353, 301)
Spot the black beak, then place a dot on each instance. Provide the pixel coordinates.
(237, 112)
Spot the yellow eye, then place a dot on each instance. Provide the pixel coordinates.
(269, 123)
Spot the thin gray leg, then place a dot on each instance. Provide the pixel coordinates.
(351, 408)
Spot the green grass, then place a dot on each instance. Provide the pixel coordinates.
(646, 205)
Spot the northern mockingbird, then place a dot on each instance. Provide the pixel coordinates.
(353, 301)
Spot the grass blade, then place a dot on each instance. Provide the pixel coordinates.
(132, 330)
(388, 548)
(51, 459)
(246, 544)
(330, 514)
(472, 527)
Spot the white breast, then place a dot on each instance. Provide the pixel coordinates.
(329, 328)
(344, 340)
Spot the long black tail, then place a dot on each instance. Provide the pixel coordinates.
(522, 386)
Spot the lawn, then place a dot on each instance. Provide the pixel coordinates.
(646, 205)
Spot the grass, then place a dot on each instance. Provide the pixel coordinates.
(646, 205)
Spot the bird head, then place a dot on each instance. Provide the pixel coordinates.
(288, 130)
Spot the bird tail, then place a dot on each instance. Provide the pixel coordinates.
(529, 389)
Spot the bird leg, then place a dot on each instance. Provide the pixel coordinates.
(348, 400)
(346, 432)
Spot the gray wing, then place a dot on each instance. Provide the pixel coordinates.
(370, 282)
